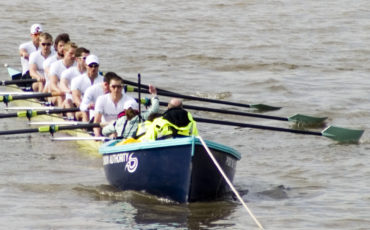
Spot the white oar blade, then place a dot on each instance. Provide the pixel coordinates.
(16, 93)
(32, 108)
(58, 123)
(80, 138)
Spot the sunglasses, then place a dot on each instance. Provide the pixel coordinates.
(116, 86)
(46, 44)
(93, 65)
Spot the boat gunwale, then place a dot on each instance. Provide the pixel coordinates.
(110, 148)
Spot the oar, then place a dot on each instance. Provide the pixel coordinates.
(300, 119)
(33, 113)
(261, 107)
(336, 133)
(8, 98)
(49, 129)
(81, 138)
(15, 82)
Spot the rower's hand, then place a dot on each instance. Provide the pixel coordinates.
(152, 90)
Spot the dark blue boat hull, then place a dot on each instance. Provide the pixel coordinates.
(178, 169)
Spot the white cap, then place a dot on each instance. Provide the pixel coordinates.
(36, 29)
(92, 59)
(131, 104)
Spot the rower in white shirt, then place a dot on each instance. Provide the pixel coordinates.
(91, 95)
(59, 66)
(92, 76)
(69, 74)
(37, 59)
(25, 49)
(108, 106)
(59, 43)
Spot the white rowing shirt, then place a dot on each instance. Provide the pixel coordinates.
(70, 74)
(105, 106)
(38, 59)
(58, 67)
(91, 95)
(83, 82)
(30, 48)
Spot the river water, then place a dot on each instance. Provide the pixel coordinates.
(309, 57)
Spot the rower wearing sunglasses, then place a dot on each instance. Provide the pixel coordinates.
(108, 106)
(80, 84)
(37, 59)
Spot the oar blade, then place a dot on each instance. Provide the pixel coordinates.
(12, 72)
(343, 135)
(305, 120)
(263, 107)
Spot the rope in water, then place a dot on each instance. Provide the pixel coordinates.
(229, 182)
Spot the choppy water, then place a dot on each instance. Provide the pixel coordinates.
(309, 57)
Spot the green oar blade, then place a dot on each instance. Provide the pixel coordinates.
(343, 134)
(301, 119)
(263, 107)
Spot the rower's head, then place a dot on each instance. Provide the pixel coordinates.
(81, 55)
(92, 65)
(36, 30)
(107, 77)
(115, 85)
(174, 103)
(46, 41)
(59, 42)
(70, 51)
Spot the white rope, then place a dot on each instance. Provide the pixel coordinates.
(229, 182)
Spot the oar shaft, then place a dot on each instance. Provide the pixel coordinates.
(14, 82)
(234, 112)
(245, 125)
(32, 113)
(171, 94)
(51, 129)
(19, 131)
(8, 98)
(36, 95)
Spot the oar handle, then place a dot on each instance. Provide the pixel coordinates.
(245, 125)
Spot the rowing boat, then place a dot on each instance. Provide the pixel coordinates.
(89, 146)
(176, 169)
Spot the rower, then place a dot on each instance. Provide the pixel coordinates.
(59, 66)
(108, 106)
(126, 126)
(37, 59)
(25, 49)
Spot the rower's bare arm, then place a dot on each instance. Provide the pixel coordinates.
(54, 84)
(76, 97)
(35, 74)
(64, 85)
(97, 119)
(23, 53)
